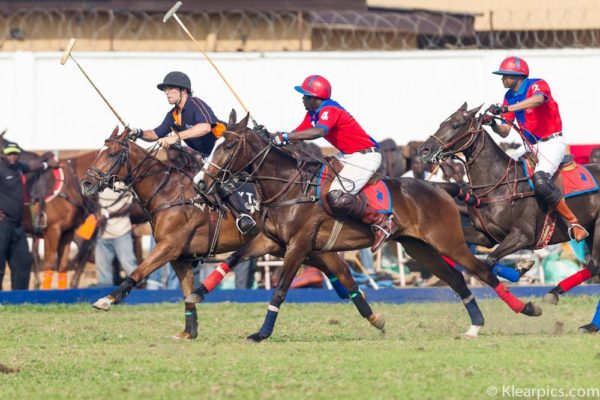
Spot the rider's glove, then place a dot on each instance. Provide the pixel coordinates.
(280, 139)
(498, 109)
(134, 133)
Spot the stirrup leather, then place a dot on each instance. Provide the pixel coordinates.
(572, 227)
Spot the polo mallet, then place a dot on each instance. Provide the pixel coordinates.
(64, 59)
(172, 13)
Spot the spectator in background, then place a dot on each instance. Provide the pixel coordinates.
(13, 241)
(421, 170)
(115, 238)
(244, 274)
(595, 156)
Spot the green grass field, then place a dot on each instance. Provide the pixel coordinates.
(318, 351)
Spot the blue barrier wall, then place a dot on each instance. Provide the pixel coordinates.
(409, 295)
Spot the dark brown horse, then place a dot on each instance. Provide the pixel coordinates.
(56, 210)
(428, 220)
(183, 225)
(508, 214)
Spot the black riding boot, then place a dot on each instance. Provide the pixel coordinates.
(244, 221)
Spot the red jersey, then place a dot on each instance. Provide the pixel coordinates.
(536, 123)
(342, 130)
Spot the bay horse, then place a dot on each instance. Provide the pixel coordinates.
(428, 219)
(183, 226)
(508, 213)
(56, 210)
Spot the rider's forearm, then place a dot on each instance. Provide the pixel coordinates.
(532, 102)
(149, 136)
(195, 131)
(307, 134)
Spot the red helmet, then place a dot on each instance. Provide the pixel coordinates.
(513, 66)
(315, 85)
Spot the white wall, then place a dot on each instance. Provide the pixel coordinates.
(403, 95)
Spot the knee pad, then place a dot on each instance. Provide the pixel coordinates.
(345, 204)
(545, 189)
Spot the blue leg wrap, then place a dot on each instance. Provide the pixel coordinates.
(474, 311)
(337, 285)
(596, 319)
(506, 272)
(267, 328)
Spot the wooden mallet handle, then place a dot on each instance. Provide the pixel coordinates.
(67, 52)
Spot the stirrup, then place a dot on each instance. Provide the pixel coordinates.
(242, 220)
(572, 227)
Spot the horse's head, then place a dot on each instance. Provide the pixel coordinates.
(109, 166)
(235, 151)
(456, 134)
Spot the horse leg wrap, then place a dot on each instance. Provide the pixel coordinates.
(191, 321)
(575, 279)
(62, 280)
(506, 272)
(473, 310)
(339, 288)
(216, 276)
(359, 301)
(596, 319)
(123, 290)
(449, 261)
(515, 304)
(269, 325)
(47, 280)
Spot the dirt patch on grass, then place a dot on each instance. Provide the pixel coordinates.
(6, 370)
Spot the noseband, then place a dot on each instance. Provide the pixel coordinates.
(472, 133)
(110, 177)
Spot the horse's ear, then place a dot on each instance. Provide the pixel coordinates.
(114, 132)
(474, 110)
(3, 132)
(463, 107)
(232, 118)
(244, 123)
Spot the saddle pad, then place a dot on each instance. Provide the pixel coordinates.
(377, 194)
(576, 179)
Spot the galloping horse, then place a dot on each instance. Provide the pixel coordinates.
(184, 225)
(62, 213)
(428, 219)
(508, 214)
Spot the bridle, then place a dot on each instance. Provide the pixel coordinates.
(224, 173)
(472, 133)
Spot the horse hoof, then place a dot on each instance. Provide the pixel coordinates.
(103, 304)
(524, 266)
(589, 328)
(473, 332)
(551, 298)
(194, 298)
(184, 336)
(377, 320)
(532, 310)
(256, 338)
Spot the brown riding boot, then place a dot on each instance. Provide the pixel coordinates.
(383, 226)
(576, 231)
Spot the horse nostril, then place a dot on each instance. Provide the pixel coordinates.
(201, 186)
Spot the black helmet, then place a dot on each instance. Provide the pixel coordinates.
(176, 79)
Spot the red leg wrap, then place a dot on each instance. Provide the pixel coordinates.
(449, 261)
(515, 304)
(216, 276)
(575, 279)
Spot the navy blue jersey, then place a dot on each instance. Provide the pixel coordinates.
(11, 191)
(194, 112)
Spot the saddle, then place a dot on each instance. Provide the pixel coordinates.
(375, 191)
(573, 179)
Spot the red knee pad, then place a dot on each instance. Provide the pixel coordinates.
(216, 276)
(575, 279)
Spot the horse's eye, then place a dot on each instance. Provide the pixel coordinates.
(112, 155)
(229, 146)
(456, 126)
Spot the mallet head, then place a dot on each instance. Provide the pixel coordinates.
(172, 11)
(67, 52)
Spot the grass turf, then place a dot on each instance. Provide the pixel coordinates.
(318, 351)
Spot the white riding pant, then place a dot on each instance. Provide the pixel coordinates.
(549, 153)
(358, 169)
